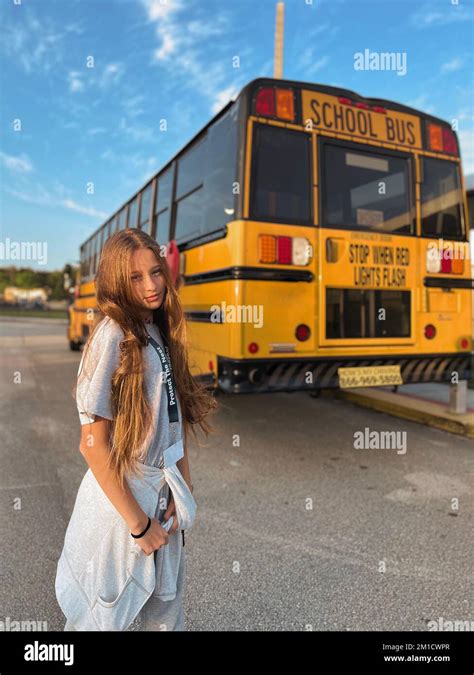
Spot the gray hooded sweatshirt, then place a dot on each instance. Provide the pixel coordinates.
(103, 577)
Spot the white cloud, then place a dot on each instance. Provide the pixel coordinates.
(75, 82)
(168, 46)
(160, 9)
(466, 141)
(203, 29)
(318, 65)
(421, 103)
(132, 105)
(161, 13)
(112, 74)
(35, 44)
(98, 77)
(86, 210)
(324, 31)
(450, 66)
(137, 160)
(426, 17)
(178, 49)
(223, 97)
(139, 132)
(19, 164)
(309, 63)
(40, 196)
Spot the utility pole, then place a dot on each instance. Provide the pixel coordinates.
(278, 58)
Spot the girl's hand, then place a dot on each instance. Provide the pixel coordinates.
(156, 537)
(171, 511)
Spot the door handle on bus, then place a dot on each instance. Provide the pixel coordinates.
(335, 249)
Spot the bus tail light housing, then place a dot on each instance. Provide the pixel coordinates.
(275, 102)
(443, 262)
(283, 250)
(441, 139)
(430, 331)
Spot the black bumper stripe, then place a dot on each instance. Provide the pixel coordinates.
(444, 282)
(248, 274)
(290, 375)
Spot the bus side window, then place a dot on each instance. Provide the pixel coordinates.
(163, 206)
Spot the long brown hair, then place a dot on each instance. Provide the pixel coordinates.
(130, 407)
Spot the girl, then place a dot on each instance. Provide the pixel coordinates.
(123, 561)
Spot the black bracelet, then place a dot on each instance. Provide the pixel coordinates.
(137, 536)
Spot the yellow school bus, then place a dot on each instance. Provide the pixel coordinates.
(320, 240)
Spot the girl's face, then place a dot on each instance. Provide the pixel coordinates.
(147, 281)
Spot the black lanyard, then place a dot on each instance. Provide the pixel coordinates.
(170, 385)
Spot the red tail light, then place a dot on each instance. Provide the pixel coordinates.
(360, 104)
(449, 142)
(265, 102)
(302, 332)
(430, 331)
(446, 263)
(284, 250)
(253, 347)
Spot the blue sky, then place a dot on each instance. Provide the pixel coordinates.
(174, 60)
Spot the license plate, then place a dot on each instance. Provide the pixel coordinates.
(371, 376)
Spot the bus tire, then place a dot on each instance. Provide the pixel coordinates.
(74, 346)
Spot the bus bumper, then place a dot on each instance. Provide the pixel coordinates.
(267, 375)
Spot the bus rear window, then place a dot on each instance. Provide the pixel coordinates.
(364, 190)
(281, 175)
(354, 313)
(441, 200)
